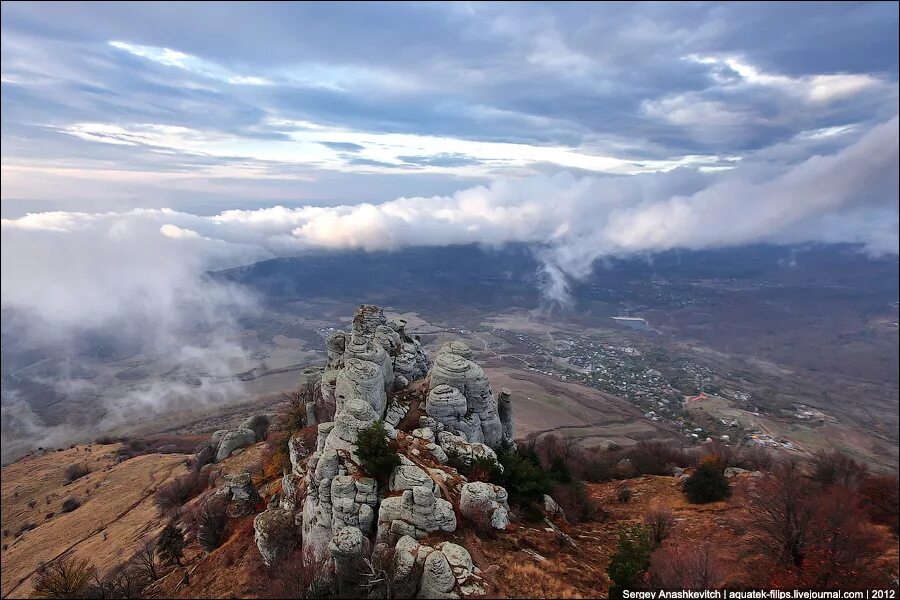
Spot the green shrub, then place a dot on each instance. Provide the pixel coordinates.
(523, 477)
(479, 468)
(559, 470)
(373, 448)
(707, 484)
(632, 557)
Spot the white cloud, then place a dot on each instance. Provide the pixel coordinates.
(813, 89)
(382, 152)
(577, 219)
(140, 273)
(187, 62)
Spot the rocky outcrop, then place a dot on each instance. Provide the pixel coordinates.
(240, 492)
(458, 446)
(416, 513)
(361, 379)
(409, 476)
(552, 507)
(342, 516)
(232, 440)
(504, 410)
(454, 370)
(275, 534)
(400, 358)
(437, 578)
(444, 571)
(258, 424)
(485, 504)
(349, 548)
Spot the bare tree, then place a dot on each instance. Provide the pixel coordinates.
(145, 559)
(661, 520)
(782, 511)
(299, 575)
(65, 577)
(685, 568)
(835, 468)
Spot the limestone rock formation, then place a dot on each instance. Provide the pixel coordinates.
(275, 534)
(437, 578)
(339, 513)
(457, 445)
(232, 440)
(416, 513)
(485, 504)
(504, 410)
(239, 490)
(348, 548)
(454, 377)
(258, 424)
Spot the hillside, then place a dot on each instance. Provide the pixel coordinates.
(394, 472)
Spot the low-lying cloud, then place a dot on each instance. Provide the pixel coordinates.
(141, 273)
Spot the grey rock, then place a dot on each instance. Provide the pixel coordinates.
(407, 567)
(348, 548)
(454, 444)
(453, 368)
(364, 380)
(734, 472)
(505, 412)
(485, 504)
(241, 492)
(232, 440)
(275, 534)
(395, 413)
(446, 404)
(258, 424)
(552, 508)
(416, 513)
(438, 580)
(407, 477)
(216, 438)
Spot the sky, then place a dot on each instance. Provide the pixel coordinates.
(144, 144)
(113, 106)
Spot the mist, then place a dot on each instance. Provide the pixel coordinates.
(140, 277)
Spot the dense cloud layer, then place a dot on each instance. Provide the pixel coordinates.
(80, 267)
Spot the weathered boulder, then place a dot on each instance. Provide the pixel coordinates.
(485, 504)
(275, 534)
(216, 439)
(453, 368)
(407, 477)
(416, 513)
(734, 472)
(395, 413)
(232, 440)
(239, 490)
(348, 548)
(438, 580)
(364, 380)
(552, 507)
(458, 446)
(463, 568)
(456, 347)
(258, 424)
(407, 566)
(446, 404)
